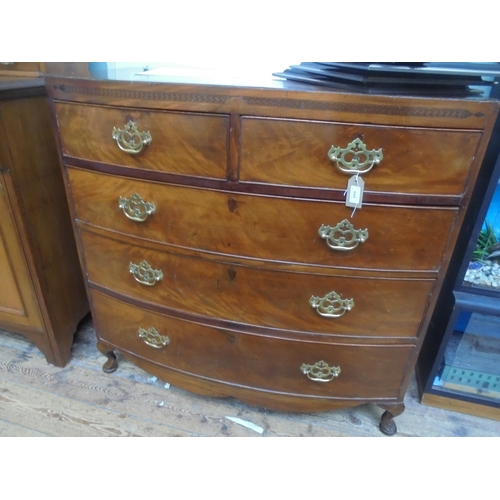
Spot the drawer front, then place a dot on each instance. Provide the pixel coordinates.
(181, 143)
(270, 228)
(417, 161)
(366, 371)
(267, 298)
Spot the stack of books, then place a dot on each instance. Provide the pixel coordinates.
(418, 79)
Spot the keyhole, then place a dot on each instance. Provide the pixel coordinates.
(231, 273)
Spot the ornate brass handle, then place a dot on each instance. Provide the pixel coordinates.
(152, 338)
(355, 158)
(130, 139)
(320, 371)
(135, 208)
(331, 305)
(343, 236)
(145, 274)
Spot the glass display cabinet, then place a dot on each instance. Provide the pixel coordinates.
(459, 369)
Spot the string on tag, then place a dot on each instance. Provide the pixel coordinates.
(354, 193)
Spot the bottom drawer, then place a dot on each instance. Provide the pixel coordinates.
(234, 358)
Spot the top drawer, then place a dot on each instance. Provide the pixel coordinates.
(181, 143)
(416, 161)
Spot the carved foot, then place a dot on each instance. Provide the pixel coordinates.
(387, 424)
(111, 364)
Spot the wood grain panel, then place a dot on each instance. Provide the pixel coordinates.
(418, 161)
(273, 299)
(182, 143)
(10, 296)
(275, 98)
(366, 371)
(270, 228)
(17, 295)
(457, 405)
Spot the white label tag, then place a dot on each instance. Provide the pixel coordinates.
(354, 192)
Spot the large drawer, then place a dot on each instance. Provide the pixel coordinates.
(417, 161)
(266, 298)
(270, 228)
(181, 143)
(366, 371)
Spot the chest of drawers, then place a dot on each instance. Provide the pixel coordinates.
(218, 249)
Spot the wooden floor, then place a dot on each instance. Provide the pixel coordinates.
(38, 399)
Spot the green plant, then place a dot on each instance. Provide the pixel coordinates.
(485, 240)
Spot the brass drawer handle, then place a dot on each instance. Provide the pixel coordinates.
(343, 236)
(331, 305)
(135, 208)
(355, 158)
(152, 338)
(130, 139)
(320, 371)
(145, 274)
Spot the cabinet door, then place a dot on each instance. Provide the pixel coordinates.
(18, 305)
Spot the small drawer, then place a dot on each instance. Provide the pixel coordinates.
(416, 161)
(266, 298)
(366, 371)
(179, 143)
(269, 228)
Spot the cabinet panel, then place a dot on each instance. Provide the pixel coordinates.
(17, 296)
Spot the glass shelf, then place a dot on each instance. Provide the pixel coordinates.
(471, 363)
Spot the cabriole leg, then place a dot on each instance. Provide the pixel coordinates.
(387, 424)
(111, 364)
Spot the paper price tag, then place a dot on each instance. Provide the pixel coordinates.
(354, 195)
(354, 192)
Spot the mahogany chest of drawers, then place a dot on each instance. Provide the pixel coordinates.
(218, 249)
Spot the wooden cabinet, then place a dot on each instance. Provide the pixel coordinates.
(42, 293)
(219, 251)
